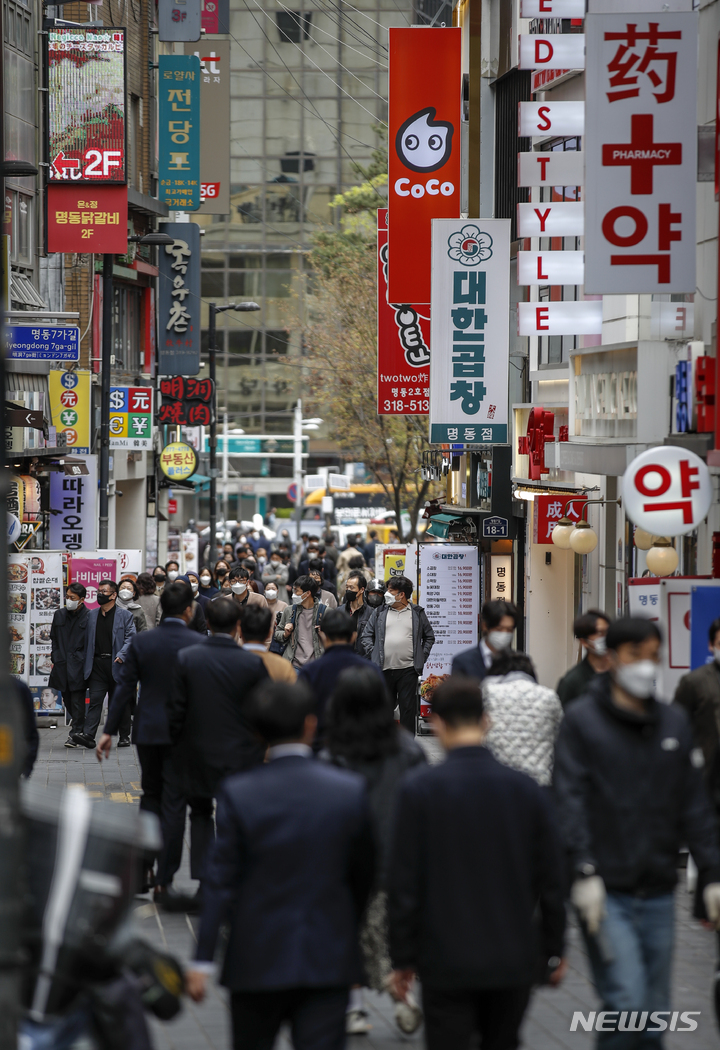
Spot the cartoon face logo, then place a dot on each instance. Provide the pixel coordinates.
(423, 143)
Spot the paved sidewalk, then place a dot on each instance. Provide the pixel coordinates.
(206, 1027)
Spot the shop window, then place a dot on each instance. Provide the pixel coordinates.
(293, 26)
(127, 343)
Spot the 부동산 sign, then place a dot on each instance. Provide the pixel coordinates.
(35, 343)
(469, 331)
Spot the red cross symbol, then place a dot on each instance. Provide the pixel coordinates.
(641, 153)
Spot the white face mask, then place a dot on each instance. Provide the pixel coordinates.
(194, 586)
(125, 596)
(390, 598)
(297, 599)
(270, 594)
(599, 646)
(637, 679)
(275, 564)
(205, 581)
(238, 588)
(172, 575)
(72, 604)
(499, 640)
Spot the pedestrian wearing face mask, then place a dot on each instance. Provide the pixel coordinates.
(149, 599)
(207, 590)
(197, 621)
(275, 573)
(298, 632)
(398, 638)
(110, 631)
(68, 638)
(222, 568)
(172, 568)
(498, 620)
(590, 630)
(240, 592)
(160, 577)
(629, 794)
(128, 599)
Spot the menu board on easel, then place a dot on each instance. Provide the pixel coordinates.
(35, 593)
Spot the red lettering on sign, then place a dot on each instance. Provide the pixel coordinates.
(653, 468)
(608, 226)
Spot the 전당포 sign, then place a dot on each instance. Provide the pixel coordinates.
(33, 343)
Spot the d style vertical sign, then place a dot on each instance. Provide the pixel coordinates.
(424, 152)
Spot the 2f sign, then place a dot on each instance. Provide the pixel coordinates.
(667, 491)
(95, 164)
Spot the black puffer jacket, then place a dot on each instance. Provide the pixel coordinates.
(630, 793)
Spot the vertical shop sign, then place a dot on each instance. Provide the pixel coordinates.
(179, 131)
(73, 509)
(214, 58)
(70, 408)
(179, 301)
(131, 417)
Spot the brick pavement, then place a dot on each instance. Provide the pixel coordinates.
(206, 1027)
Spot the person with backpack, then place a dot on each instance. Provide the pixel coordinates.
(299, 627)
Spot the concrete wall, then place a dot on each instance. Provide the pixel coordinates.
(550, 610)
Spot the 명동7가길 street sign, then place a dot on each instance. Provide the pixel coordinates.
(42, 343)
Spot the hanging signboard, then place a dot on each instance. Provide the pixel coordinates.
(70, 408)
(73, 508)
(179, 301)
(552, 8)
(87, 219)
(37, 343)
(583, 317)
(550, 267)
(551, 118)
(179, 131)
(178, 461)
(34, 595)
(403, 368)
(131, 417)
(667, 491)
(179, 20)
(86, 105)
(640, 151)
(556, 51)
(469, 331)
(215, 16)
(214, 58)
(424, 150)
(562, 219)
(187, 402)
(551, 168)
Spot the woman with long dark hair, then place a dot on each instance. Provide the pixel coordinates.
(362, 735)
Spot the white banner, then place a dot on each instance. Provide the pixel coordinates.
(550, 267)
(469, 329)
(35, 593)
(551, 168)
(641, 153)
(557, 51)
(565, 219)
(73, 508)
(552, 8)
(551, 118)
(450, 595)
(581, 318)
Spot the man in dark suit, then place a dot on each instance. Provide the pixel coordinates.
(475, 853)
(295, 907)
(109, 632)
(149, 661)
(498, 621)
(68, 638)
(208, 720)
(338, 636)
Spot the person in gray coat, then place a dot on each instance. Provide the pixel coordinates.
(399, 638)
(110, 629)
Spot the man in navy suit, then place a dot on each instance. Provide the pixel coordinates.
(149, 659)
(109, 632)
(499, 620)
(293, 866)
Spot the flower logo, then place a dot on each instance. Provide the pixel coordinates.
(470, 246)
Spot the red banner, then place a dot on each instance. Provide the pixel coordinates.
(403, 345)
(424, 150)
(87, 219)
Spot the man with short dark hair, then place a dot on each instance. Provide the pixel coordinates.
(398, 639)
(590, 630)
(355, 604)
(110, 630)
(475, 855)
(255, 635)
(68, 638)
(498, 620)
(328, 592)
(629, 794)
(242, 593)
(299, 625)
(292, 870)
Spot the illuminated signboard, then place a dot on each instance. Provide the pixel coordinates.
(86, 103)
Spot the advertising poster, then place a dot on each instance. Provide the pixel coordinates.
(35, 593)
(73, 509)
(450, 595)
(70, 408)
(403, 367)
(396, 559)
(89, 570)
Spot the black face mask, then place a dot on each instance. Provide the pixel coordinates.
(103, 599)
(375, 600)
(159, 579)
(220, 573)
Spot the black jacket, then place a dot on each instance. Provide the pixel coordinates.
(149, 662)
(68, 637)
(321, 676)
(628, 793)
(30, 730)
(211, 685)
(475, 851)
(329, 569)
(293, 866)
(469, 662)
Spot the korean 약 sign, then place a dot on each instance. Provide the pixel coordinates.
(86, 104)
(424, 151)
(640, 153)
(667, 491)
(214, 58)
(179, 301)
(131, 417)
(33, 343)
(179, 131)
(73, 515)
(186, 402)
(450, 591)
(403, 368)
(178, 461)
(470, 331)
(84, 219)
(70, 408)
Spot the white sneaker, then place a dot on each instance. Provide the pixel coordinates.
(356, 1023)
(408, 1015)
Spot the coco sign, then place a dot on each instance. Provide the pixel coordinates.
(667, 491)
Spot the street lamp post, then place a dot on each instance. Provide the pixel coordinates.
(212, 351)
(300, 424)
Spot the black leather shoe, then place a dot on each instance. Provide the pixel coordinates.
(124, 741)
(85, 740)
(169, 900)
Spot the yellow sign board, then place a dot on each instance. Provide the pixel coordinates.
(70, 407)
(178, 461)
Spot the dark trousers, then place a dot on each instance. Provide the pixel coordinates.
(316, 1016)
(101, 683)
(172, 821)
(126, 719)
(402, 685)
(454, 1017)
(74, 700)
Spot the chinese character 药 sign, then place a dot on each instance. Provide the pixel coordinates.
(640, 152)
(179, 131)
(179, 301)
(34, 343)
(131, 410)
(470, 330)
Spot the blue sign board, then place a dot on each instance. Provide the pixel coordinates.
(179, 300)
(39, 343)
(179, 131)
(704, 608)
(495, 528)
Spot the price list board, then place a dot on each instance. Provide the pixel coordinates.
(450, 595)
